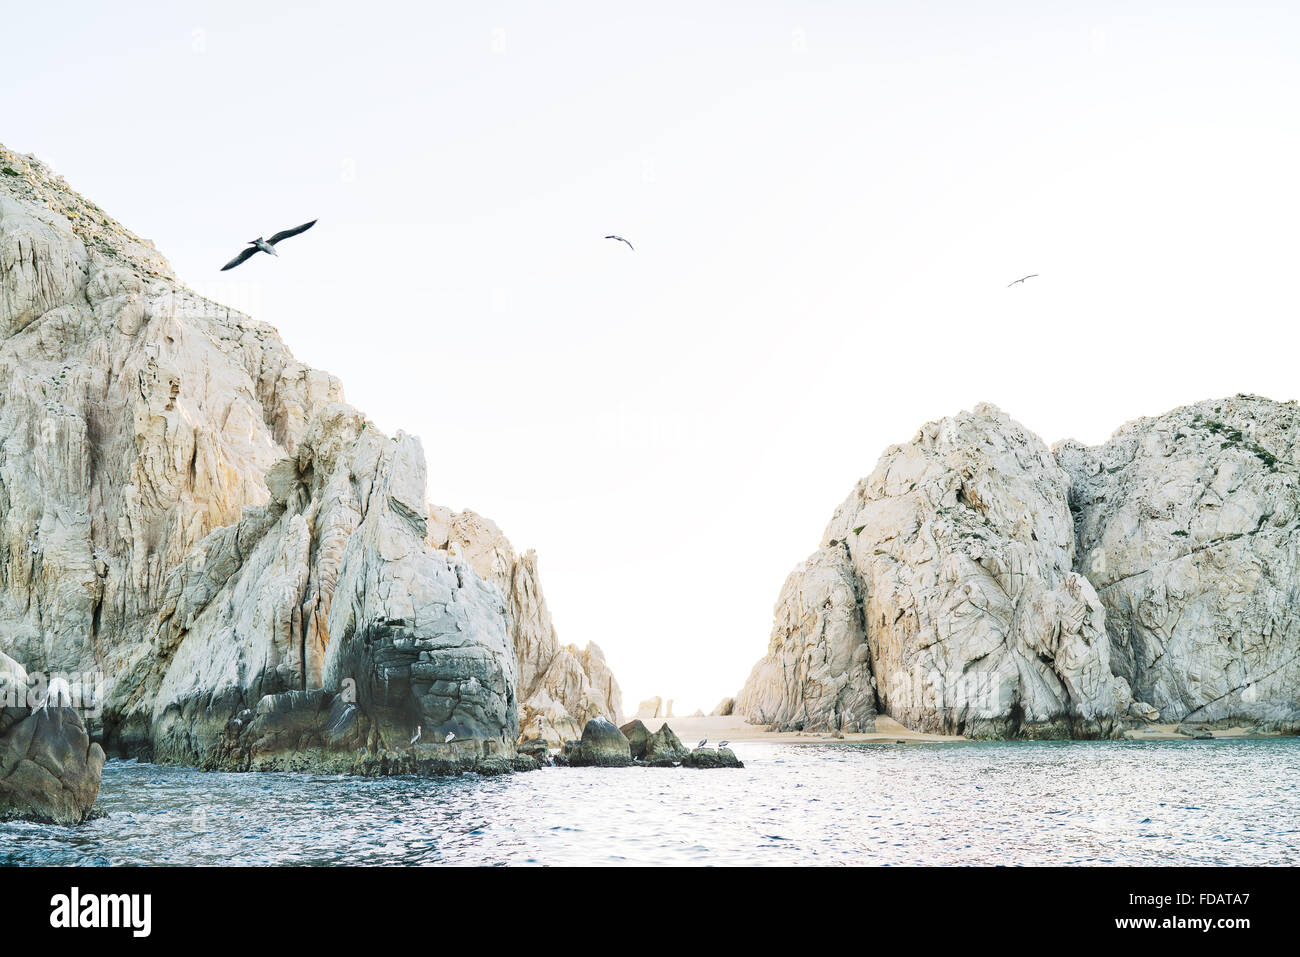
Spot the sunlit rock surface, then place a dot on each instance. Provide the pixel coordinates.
(946, 579)
(561, 687)
(1188, 525)
(195, 515)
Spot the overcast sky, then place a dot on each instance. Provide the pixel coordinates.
(827, 201)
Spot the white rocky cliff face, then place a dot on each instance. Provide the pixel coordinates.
(561, 687)
(1188, 526)
(947, 578)
(988, 587)
(189, 511)
(817, 673)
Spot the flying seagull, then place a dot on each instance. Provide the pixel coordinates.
(1009, 285)
(260, 245)
(622, 240)
(450, 735)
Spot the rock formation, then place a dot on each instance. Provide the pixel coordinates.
(655, 707)
(988, 587)
(705, 758)
(190, 512)
(817, 673)
(637, 735)
(724, 708)
(664, 748)
(49, 768)
(561, 687)
(1188, 525)
(947, 576)
(602, 745)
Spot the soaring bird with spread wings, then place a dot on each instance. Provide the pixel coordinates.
(622, 240)
(260, 245)
(1032, 275)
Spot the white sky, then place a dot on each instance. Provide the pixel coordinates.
(827, 202)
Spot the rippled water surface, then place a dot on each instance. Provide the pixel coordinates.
(1193, 802)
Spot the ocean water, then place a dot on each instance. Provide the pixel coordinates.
(1186, 802)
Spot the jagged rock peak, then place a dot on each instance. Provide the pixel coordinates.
(946, 580)
(561, 687)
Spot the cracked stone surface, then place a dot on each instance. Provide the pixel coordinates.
(1188, 525)
(987, 586)
(188, 510)
(561, 687)
(946, 579)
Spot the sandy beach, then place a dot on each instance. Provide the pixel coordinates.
(735, 728)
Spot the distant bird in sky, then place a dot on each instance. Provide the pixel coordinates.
(260, 245)
(622, 240)
(450, 735)
(703, 742)
(1022, 279)
(418, 729)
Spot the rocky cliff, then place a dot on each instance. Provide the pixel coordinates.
(1188, 525)
(561, 687)
(191, 513)
(978, 583)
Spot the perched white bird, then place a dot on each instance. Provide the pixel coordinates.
(703, 742)
(622, 240)
(723, 744)
(450, 735)
(418, 729)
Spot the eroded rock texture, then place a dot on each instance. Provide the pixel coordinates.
(947, 578)
(1188, 526)
(49, 767)
(199, 517)
(817, 672)
(561, 687)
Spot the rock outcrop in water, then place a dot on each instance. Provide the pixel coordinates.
(947, 577)
(602, 745)
(988, 587)
(187, 510)
(708, 758)
(49, 768)
(561, 687)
